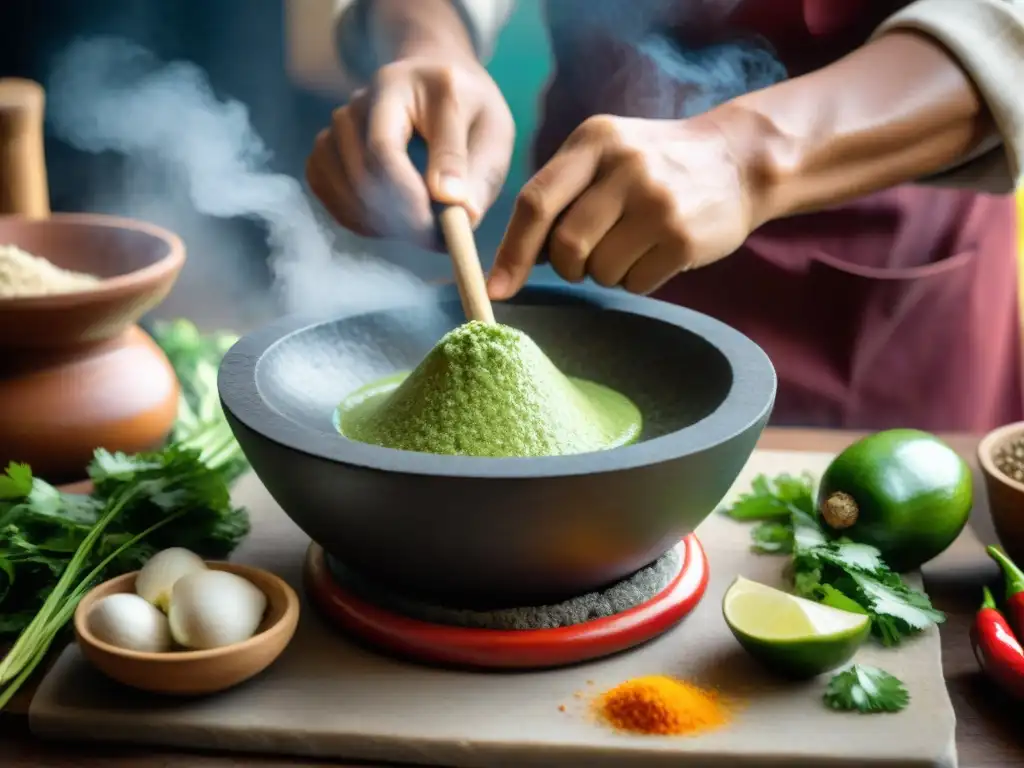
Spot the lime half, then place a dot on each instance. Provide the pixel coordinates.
(789, 634)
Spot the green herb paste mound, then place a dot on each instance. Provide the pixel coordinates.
(489, 390)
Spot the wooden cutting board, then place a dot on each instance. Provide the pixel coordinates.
(326, 697)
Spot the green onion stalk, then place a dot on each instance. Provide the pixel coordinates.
(35, 641)
(217, 447)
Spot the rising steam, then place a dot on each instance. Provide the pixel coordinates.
(108, 94)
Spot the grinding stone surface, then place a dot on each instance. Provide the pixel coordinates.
(329, 698)
(626, 594)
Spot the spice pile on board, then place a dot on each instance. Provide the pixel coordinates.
(23, 274)
(661, 705)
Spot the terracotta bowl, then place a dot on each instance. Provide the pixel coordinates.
(138, 263)
(1005, 495)
(194, 673)
(76, 373)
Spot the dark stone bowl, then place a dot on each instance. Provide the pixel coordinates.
(486, 532)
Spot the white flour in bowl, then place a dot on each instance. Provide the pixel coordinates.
(22, 275)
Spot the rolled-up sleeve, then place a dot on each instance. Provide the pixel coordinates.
(484, 20)
(987, 39)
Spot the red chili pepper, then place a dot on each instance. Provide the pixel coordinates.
(1014, 578)
(998, 652)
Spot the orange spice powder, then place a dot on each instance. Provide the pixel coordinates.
(661, 705)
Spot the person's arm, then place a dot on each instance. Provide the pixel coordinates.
(935, 92)
(370, 33)
(987, 40)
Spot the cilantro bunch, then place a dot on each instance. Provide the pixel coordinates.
(834, 571)
(200, 422)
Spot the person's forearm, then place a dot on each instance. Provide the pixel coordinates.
(399, 29)
(895, 110)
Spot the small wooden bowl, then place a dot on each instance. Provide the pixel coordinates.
(1005, 495)
(137, 263)
(193, 673)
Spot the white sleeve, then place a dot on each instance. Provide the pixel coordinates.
(484, 20)
(987, 39)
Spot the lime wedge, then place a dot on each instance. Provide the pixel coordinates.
(789, 634)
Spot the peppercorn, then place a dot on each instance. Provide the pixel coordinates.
(1010, 460)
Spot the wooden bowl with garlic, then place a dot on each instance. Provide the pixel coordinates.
(184, 627)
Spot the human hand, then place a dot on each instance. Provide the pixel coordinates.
(360, 167)
(630, 202)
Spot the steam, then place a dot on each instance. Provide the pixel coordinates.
(188, 151)
(643, 61)
(715, 74)
(111, 95)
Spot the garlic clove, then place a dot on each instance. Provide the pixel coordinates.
(158, 576)
(127, 621)
(211, 609)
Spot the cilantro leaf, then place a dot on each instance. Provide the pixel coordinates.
(772, 537)
(807, 580)
(833, 597)
(119, 466)
(807, 534)
(867, 690)
(854, 557)
(774, 498)
(16, 482)
(899, 602)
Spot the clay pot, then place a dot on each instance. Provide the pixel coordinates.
(76, 373)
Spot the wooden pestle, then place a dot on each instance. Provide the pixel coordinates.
(469, 275)
(23, 187)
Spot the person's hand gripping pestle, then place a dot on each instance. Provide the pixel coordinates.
(469, 275)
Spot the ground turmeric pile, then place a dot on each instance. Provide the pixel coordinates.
(661, 705)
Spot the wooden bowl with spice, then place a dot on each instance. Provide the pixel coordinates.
(76, 373)
(1001, 456)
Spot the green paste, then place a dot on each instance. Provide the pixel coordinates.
(489, 390)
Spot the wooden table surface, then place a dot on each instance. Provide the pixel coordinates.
(989, 726)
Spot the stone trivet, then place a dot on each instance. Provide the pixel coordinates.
(628, 593)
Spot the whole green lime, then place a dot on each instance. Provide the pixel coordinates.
(791, 635)
(903, 491)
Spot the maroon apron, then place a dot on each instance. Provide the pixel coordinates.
(899, 309)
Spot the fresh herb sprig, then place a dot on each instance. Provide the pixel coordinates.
(867, 690)
(200, 422)
(834, 571)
